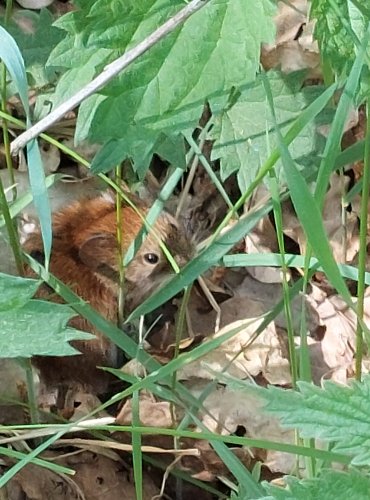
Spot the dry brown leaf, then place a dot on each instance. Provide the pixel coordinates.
(241, 357)
(230, 410)
(294, 48)
(343, 238)
(152, 413)
(96, 478)
(267, 297)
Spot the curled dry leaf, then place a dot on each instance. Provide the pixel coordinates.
(243, 355)
(96, 478)
(230, 411)
(268, 296)
(343, 238)
(294, 48)
(152, 413)
(333, 357)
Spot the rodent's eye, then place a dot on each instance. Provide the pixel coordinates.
(151, 258)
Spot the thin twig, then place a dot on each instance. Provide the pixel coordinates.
(109, 72)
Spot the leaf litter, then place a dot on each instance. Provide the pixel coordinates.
(244, 295)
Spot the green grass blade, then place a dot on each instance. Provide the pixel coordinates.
(59, 469)
(10, 54)
(13, 60)
(40, 196)
(308, 212)
(274, 260)
(333, 143)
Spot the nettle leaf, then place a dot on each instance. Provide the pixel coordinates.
(166, 88)
(114, 151)
(330, 484)
(244, 132)
(337, 414)
(36, 37)
(16, 291)
(337, 43)
(38, 328)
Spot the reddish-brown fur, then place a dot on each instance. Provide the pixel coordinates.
(85, 257)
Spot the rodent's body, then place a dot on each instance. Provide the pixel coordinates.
(85, 256)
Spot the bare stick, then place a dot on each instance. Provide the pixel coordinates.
(107, 74)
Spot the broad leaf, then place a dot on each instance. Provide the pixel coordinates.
(15, 291)
(330, 484)
(337, 414)
(244, 131)
(38, 328)
(340, 25)
(165, 89)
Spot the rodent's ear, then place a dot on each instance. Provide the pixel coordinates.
(100, 253)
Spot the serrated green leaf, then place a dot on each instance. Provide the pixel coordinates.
(69, 83)
(337, 414)
(340, 24)
(140, 151)
(38, 328)
(165, 89)
(244, 132)
(16, 291)
(172, 149)
(329, 485)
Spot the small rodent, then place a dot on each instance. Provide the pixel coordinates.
(85, 257)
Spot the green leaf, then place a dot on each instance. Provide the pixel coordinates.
(308, 211)
(40, 195)
(38, 328)
(336, 414)
(11, 56)
(165, 89)
(36, 37)
(244, 132)
(340, 24)
(13, 60)
(15, 291)
(329, 485)
(140, 151)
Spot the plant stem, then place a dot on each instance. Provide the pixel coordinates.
(363, 247)
(12, 231)
(32, 400)
(8, 157)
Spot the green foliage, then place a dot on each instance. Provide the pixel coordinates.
(165, 89)
(36, 36)
(33, 327)
(244, 132)
(13, 60)
(15, 291)
(330, 484)
(340, 26)
(336, 414)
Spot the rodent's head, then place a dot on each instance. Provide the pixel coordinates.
(149, 268)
